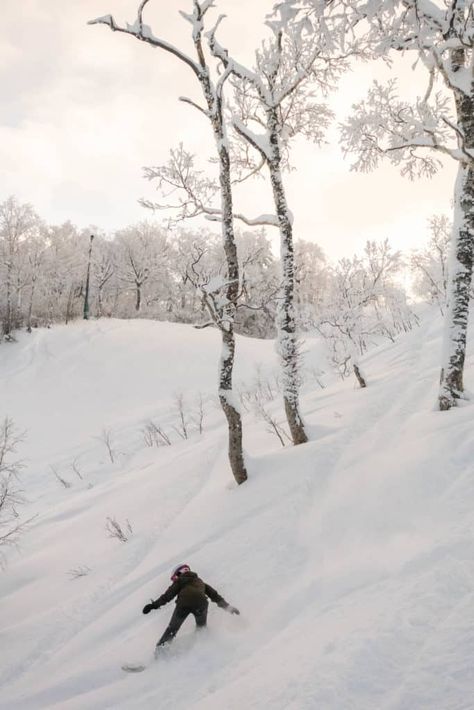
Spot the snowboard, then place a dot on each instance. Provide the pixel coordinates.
(133, 668)
(163, 652)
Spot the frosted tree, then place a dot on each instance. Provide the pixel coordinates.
(103, 273)
(355, 305)
(63, 268)
(276, 101)
(140, 259)
(415, 135)
(36, 249)
(17, 222)
(260, 279)
(430, 265)
(212, 91)
(311, 280)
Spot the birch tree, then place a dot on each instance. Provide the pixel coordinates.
(275, 102)
(212, 91)
(417, 135)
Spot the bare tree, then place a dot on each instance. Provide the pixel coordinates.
(154, 435)
(63, 481)
(11, 497)
(214, 111)
(106, 439)
(120, 531)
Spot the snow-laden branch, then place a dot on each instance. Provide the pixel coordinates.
(262, 220)
(144, 33)
(194, 191)
(238, 69)
(385, 125)
(260, 141)
(192, 103)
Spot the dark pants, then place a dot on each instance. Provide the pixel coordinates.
(180, 615)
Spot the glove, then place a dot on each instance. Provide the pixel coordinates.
(232, 610)
(148, 607)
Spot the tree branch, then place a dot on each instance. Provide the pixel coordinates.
(144, 34)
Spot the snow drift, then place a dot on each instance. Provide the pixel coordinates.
(351, 557)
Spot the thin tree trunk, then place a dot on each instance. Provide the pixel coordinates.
(460, 267)
(7, 325)
(226, 396)
(287, 338)
(99, 301)
(138, 301)
(30, 305)
(88, 278)
(360, 377)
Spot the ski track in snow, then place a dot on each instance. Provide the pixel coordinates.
(350, 557)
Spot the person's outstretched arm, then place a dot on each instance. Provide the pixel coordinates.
(166, 597)
(220, 601)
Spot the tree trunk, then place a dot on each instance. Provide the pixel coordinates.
(30, 305)
(85, 313)
(360, 377)
(7, 324)
(229, 406)
(457, 311)
(138, 301)
(287, 338)
(99, 301)
(226, 396)
(459, 269)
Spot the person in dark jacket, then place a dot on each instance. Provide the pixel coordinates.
(191, 598)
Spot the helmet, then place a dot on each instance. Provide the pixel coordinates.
(179, 570)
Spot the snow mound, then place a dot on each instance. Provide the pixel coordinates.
(351, 557)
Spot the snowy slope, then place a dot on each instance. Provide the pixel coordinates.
(351, 558)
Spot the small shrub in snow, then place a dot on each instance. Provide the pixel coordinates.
(154, 435)
(11, 497)
(182, 428)
(75, 468)
(106, 438)
(198, 417)
(58, 477)
(117, 530)
(273, 427)
(81, 571)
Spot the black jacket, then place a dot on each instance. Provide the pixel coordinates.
(191, 593)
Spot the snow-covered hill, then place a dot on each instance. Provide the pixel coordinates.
(351, 557)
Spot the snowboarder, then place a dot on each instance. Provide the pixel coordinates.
(191, 598)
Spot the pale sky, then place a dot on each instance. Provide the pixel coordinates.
(84, 109)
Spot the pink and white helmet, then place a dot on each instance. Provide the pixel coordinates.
(178, 571)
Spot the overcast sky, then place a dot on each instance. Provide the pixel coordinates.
(83, 109)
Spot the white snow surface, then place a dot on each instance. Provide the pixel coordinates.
(351, 558)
